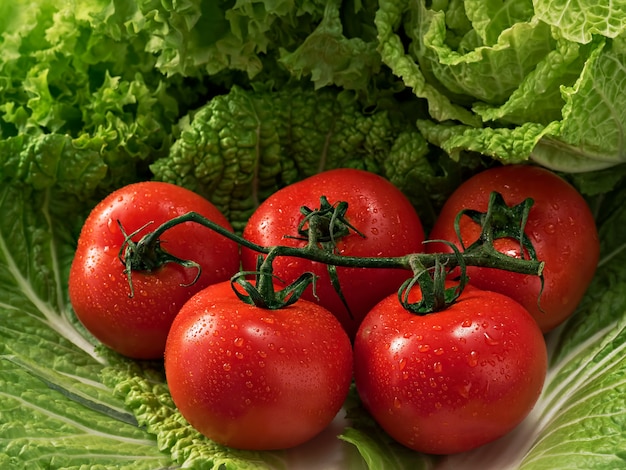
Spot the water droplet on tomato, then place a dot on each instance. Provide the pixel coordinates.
(437, 327)
(239, 341)
(490, 340)
(550, 228)
(439, 351)
(249, 384)
(473, 359)
(437, 367)
(402, 363)
(423, 348)
(239, 355)
(466, 323)
(226, 366)
(397, 403)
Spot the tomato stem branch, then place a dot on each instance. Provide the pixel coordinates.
(328, 224)
(479, 254)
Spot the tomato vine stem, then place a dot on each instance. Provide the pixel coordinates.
(475, 255)
(499, 221)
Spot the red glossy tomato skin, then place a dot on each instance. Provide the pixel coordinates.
(560, 226)
(454, 380)
(98, 287)
(255, 378)
(375, 207)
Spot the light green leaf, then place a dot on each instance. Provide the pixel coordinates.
(242, 146)
(51, 395)
(486, 73)
(508, 145)
(579, 21)
(375, 446)
(538, 97)
(591, 134)
(491, 17)
(389, 19)
(50, 160)
(330, 58)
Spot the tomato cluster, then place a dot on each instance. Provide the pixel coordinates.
(251, 373)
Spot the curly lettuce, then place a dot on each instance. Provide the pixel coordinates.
(516, 80)
(242, 146)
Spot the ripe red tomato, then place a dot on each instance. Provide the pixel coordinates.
(98, 286)
(560, 226)
(254, 378)
(375, 207)
(454, 380)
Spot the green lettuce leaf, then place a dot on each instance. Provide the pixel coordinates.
(331, 58)
(376, 447)
(242, 146)
(580, 21)
(593, 139)
(51, 395)
(388, 19)
(71, 75)
(513, 80)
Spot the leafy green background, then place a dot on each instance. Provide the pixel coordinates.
(237, 99)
